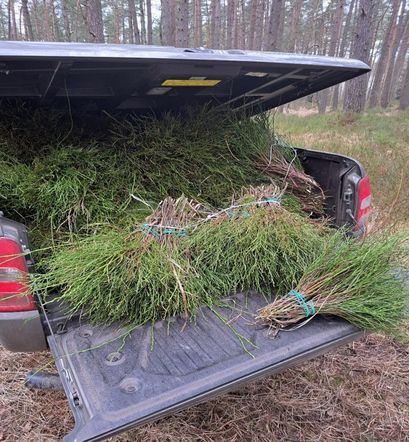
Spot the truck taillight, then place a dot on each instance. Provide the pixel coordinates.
(15, 295)
(364, 202)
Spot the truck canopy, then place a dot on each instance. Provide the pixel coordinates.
(96, 77)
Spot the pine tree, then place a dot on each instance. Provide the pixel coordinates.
(355, 90)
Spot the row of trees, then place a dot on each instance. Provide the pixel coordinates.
(375, 31)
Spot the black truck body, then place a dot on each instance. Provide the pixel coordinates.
(115, 378)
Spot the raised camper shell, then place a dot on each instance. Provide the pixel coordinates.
(111, 387)
(154, 78)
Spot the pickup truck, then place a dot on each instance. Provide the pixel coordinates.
(115, 380)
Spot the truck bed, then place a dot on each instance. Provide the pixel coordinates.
(115, 382)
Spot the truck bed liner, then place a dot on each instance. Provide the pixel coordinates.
(114, 383)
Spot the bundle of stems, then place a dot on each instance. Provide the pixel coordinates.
(289, 173)
(172, 218)
(254, 245)
(181, 257)
(358, 281)
(116, 274)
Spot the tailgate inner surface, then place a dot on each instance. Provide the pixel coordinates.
(113, 382)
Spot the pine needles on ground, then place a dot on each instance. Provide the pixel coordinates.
(358, 281)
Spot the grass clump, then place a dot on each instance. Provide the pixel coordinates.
(358, 281)
(17, 188)
(259, 248)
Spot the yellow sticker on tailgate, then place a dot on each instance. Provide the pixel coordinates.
(191, 82)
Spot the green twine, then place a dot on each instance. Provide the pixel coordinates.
(272, 200)
(157, 231)
(308, 307)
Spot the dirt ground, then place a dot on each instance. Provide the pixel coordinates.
(359, 392)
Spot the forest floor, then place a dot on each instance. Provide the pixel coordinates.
(359, 392)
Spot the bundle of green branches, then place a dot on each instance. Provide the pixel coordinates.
(182, 256)
(17, 188)
(117, 274)
(255, 244)
(358, 281)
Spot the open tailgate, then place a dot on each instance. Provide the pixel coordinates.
(114, 383)
(92, 77)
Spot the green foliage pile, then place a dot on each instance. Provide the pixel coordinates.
(232, 206)
(135, 275)
(59, 177)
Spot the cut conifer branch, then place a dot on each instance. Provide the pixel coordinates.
(358, 281)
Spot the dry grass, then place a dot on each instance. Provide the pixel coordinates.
(359, 392)
(378, 139)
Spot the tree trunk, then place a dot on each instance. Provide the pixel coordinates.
(197, 23)
(57, 35)
(385, 55)
(230, 23)
(396, 38)
(136, 35)
(243, 25)
(12, 26)
(342, 49)
(295, 25)
(272, 36)
(400, 58)
(182, 23)
(165, 28)
(252, 29)
(66, 21)
(376, 37)
(215, 24)
(319, 31)
(355, 89)
(117, 20)
(335, 36)
(27, 20)
(404, 96)
(236, 26)
(143, 23)
(149, 20)
(46, 22)
(258, 36)
(94, 21)
(266, 20)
